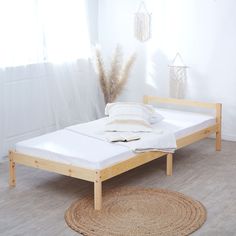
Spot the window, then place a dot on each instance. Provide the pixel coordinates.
(35, 31)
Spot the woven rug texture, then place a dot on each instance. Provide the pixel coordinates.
(137, 212)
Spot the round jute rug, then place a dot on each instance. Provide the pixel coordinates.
(137, 212)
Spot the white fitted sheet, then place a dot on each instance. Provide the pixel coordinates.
(66, 146)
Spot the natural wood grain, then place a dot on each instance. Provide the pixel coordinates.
(169, 164)
(192, 138)
(218, 120)
(129, 164)
(12, 174)
(182, 102)
(98, 195)
(64, 169)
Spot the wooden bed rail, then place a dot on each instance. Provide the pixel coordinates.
(96, 176)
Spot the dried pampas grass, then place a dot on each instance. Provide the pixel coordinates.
(124, 76)
(113, 83)
(114, 75)
(102, 75)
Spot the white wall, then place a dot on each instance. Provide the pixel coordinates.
(116, 27)
(203, 31)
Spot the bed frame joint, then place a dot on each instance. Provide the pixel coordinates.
(218, 128)
(12, 175)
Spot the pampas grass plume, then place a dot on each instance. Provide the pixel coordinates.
(113, 83)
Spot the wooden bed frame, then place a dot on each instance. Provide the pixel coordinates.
(98, 176)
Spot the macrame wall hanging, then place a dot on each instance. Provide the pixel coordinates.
(142, 23)
(178, 77)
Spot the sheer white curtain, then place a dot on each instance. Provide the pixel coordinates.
(55, 34)
(34, 31)
(74, 92)
(65, 29)
(21, 40)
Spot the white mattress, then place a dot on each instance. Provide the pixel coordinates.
(66, 146)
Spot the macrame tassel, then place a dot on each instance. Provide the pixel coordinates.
(142, 23)
(178, 77)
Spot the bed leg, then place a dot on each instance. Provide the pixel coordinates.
(12, 174)
(169, 164)
(218, 121)
(98, 195)
(218, 141)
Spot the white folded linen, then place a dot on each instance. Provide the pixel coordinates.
(164, 141)
(158, 140)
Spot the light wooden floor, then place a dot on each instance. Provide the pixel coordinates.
(37, 205)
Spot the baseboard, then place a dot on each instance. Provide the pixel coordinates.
(3, 159)
(225, 136)
(229, 137)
